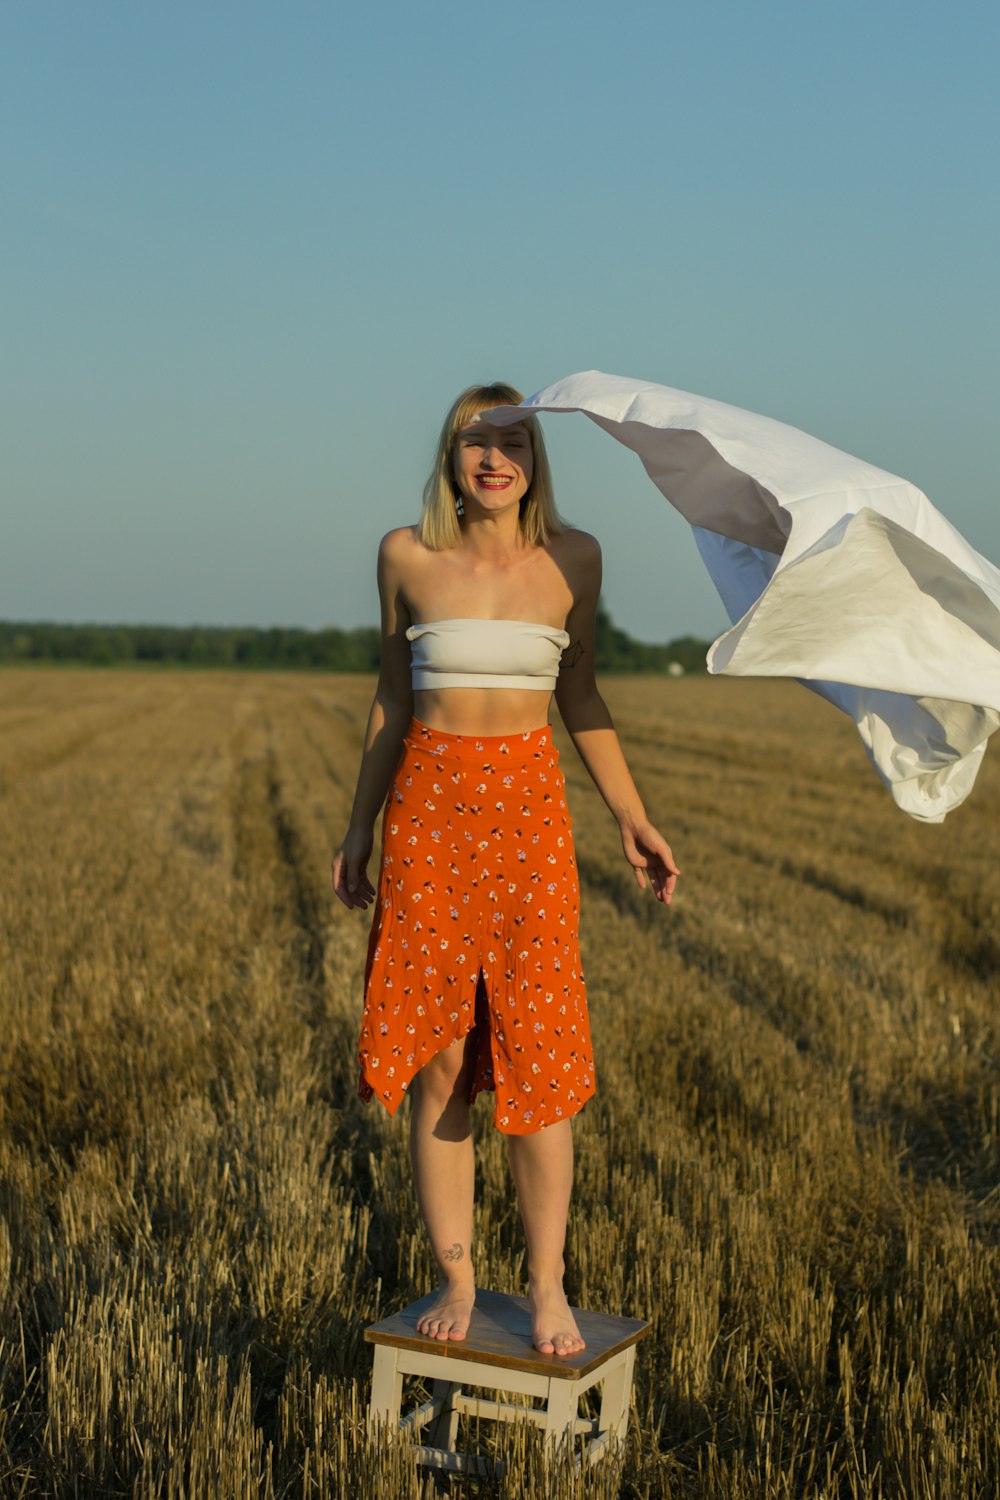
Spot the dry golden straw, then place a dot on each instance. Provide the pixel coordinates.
(791, 1166)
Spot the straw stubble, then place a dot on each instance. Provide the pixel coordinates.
(790, 1167)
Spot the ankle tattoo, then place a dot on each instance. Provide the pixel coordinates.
(454, 1252)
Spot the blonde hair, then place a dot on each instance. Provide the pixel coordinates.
(539, 519)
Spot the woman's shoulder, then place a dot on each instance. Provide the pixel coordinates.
(577, 547)
(402, 551)
(396, 556)
(400, 542)
(577, 556)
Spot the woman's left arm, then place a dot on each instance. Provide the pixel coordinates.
(586, 716)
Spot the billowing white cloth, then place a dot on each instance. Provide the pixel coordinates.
(832, 571)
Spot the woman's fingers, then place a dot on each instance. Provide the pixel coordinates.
(648, 850)
(340, 887)
(665, 877)
(351, 883)
(357, 877)
(668, 878)
(666, 883)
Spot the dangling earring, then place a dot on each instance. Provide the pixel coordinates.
(459, 504)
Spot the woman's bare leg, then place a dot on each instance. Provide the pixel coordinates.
(542, 1168)
(441, 1154)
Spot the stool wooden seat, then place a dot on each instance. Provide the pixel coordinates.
(497, 1353)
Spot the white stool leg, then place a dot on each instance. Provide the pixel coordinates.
(561, 1406)
(445, 1433)
(615, 1397)
(387, 1390)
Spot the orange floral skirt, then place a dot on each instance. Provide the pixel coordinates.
(476, 926)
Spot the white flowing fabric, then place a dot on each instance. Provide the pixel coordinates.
(832, 571)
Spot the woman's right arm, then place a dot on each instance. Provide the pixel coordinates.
(391, 710)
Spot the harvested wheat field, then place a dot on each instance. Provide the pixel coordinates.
(791, 1166)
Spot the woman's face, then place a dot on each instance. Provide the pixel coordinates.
(492, 465)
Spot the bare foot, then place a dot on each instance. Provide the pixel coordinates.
(553, 1327)
(451, 1313)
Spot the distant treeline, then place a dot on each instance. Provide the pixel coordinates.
(330, 650)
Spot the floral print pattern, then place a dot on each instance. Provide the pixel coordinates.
(476, 925)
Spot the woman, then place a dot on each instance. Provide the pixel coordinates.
(473, 977)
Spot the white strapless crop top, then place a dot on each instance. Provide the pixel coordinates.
(485, 653)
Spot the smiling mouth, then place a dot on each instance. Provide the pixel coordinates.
(493, 481)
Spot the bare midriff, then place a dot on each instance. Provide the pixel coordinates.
(482, 710)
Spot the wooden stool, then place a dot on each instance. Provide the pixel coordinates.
(497, 1353)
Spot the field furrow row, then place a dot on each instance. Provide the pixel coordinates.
(790, 1167)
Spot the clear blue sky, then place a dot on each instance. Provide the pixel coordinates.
(251, 252)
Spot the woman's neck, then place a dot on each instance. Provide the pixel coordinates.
(493, 538)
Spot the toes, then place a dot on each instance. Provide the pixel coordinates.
(440, 1327)
(560, 1343)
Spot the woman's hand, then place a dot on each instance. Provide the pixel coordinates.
(646, 849)
(350, 870)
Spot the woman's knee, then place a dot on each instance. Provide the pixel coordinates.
(442, 1077)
